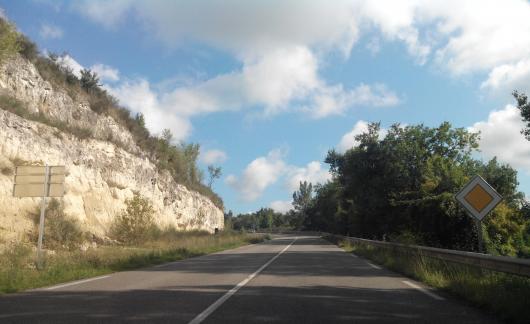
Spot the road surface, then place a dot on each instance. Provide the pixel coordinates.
(289, 279)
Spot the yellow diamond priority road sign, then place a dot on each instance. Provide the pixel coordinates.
(478, 197)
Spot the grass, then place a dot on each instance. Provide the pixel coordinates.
(18, 271)
(504, 295)
(19, 108)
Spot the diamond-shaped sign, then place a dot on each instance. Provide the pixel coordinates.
(478, 197)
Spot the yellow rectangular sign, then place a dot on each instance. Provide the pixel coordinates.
(37, 190)
(38, 179)
(39, 170)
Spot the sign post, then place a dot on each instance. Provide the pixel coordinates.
(39, 181)
(478, 198)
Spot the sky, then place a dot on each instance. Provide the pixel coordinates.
(268, 87)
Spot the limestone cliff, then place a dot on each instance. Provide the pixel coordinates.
(100, 174)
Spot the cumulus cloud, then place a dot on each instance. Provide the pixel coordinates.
(313, 172)
(106, 73)
(267, 170)
(48, 31)
(508, 77)
(335, 100)
(463, 36)
(213, 157)
(281, 206)
(274, 43)
(159, 112)
(258, 175)
(501, 137)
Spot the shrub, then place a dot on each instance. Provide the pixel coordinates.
(60, 231)
(133, 225)
(6, 170)
(9, 44)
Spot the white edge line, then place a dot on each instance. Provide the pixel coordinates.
(202, 316)
(423, 290)
(76, 282)
(373, 265)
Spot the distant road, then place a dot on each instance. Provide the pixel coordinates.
(290, 279)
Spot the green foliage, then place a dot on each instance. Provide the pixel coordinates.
(9, 44)
(60, 231)
(263, 219)
(132, 226)
(302, 200)
(89, 80)
(524, 109)
(402, 187)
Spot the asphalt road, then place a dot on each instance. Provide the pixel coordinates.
(286, 280)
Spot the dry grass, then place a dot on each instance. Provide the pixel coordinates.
(18, 271)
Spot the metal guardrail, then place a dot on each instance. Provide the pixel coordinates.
(511, 265)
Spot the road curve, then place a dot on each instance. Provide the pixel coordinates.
(286, 280)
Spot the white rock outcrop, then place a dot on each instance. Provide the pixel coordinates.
(100, 174)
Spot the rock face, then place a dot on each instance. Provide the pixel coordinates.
(100, 174)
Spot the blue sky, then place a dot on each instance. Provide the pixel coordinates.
(266, 88)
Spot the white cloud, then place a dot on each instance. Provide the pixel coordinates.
(48, 31)
(465, 36)
(248, 27)
(281, 206)
(508, 77)
(348, 140)
(335, 100)
(105, 72)
(312, 172)
(267, 170)
(159, 112)
(275, 44)
(213, 157)
(501, 137)
(258, 175)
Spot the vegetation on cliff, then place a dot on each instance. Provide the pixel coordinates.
(179, 159)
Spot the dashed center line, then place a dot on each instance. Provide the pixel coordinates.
(76, 282)
(202, 316)
(423, 290)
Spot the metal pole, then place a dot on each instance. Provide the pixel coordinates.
(478, 223)
(41, 222)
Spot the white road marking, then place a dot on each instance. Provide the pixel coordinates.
(423, 290)
(76, 282)
(373, 265)
(202, 316)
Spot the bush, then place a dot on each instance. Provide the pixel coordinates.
(9, 44)
(134, 224)
(60, 231)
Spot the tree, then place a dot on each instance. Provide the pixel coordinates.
(133, 224)
(214, 173)
(301, 202)
(524, 109)
(9, 40)
(89, 80)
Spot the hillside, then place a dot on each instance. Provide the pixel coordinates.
(49, 116)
